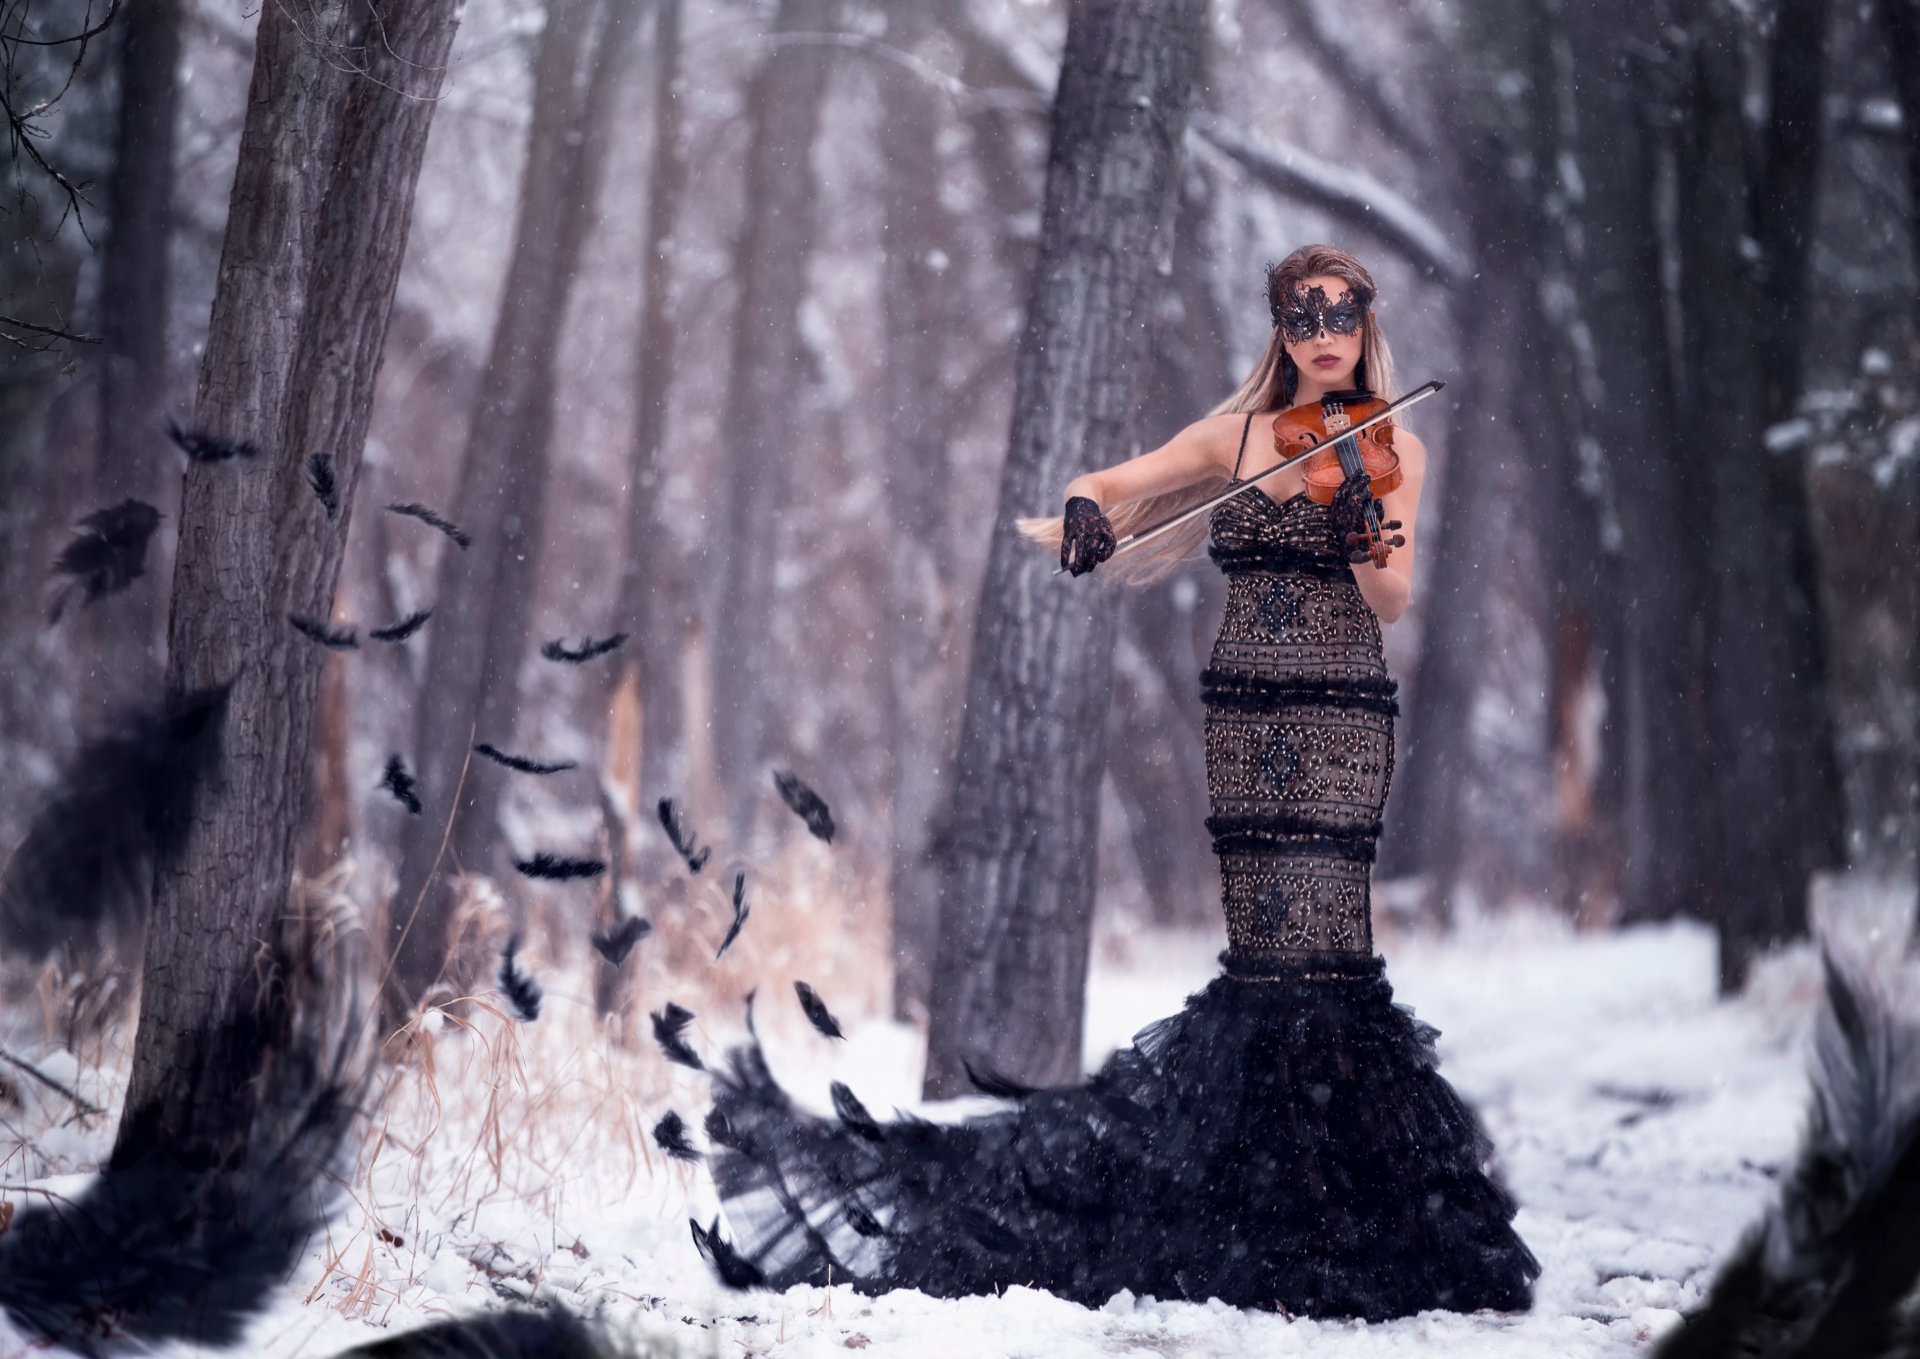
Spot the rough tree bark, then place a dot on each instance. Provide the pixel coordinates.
(478, 637)
(1015, 844)
(764, 376)
(300, 311)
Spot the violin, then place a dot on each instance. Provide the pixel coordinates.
(1321, 425)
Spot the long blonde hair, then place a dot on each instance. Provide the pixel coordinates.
(1269, 387)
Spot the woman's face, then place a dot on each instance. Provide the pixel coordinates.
(1310, 317)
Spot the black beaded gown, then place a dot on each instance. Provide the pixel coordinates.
(1284, 1141)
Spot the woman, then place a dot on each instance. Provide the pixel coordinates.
(1285, 1140)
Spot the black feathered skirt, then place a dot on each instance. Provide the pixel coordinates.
(1283, 1142)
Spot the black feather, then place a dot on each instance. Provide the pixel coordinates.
(558, 868)
(522, 763)
(118, 810)
(991, 1082)
(720, 1132)
(669, 1031)
(817, 1012)
(553, 1333)
(1828, 1270)
(734, 1269)
(332, 638)
(399, 782)
(853, 1113)
(325, 485)
(589, 648)
(670, 1135)
(203, 447)
(106, 556)
(615, 944)
(522, 991)
(862, 1221)
(682, 837)
(428, 517)
(157, 1249)
(995, 1236)
(805, 804)
(405, 628)
(740, 912)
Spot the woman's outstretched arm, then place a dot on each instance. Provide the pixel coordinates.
(1203, 449)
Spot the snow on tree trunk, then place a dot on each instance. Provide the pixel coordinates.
(321, 206)
(1015, 845)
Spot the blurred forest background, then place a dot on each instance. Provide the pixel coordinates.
(707, 329)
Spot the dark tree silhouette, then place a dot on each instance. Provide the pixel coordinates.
(321, 206)
(1015, 843)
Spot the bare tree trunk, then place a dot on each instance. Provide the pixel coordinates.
(478, 637)
(1902, 21)
(1777, 813)
(322, 202)
(1500, 426)
(1655, 704)
(134, 262)
(1016, 840)
(920, 697)
(656, 595)
(783, 106)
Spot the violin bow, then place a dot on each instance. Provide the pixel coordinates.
(1133, 540)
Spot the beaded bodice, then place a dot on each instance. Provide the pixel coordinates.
(1299, 734)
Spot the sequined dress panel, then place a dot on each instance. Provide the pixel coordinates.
(1299, 736)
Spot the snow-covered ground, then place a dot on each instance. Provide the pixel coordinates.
(1639, 1121)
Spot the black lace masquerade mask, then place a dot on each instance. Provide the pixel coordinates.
(1300, 313)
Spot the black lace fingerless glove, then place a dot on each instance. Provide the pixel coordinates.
(1087, 539)
(1348, 512)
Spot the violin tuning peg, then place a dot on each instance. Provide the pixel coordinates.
(1397, 540)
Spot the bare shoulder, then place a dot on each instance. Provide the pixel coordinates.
(1220, 435)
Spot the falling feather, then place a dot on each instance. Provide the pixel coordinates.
(671, 1136)
(991, 1082)
(200, 446)
(332, 638)
(405, 628)
(521, 990)
(522, 763)
(669, 1031)
(426, 516)
(559, 868)
(106, 556)
(589, 649)
(681, 837)
(805, 804)
(862, 1221)
(399, 782)
(853, 1113)
(740, 913)
(734, 1270)
(326, 487)
(817, 1012)
(614, 945)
